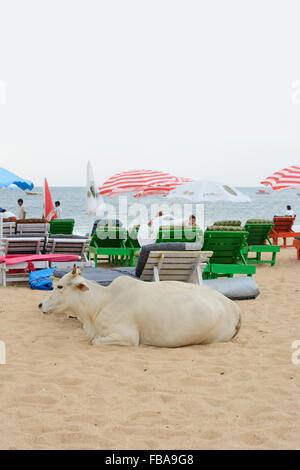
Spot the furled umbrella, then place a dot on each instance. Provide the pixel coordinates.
(287, 178)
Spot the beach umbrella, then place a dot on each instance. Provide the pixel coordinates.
(49, 211)
(287, 178)
(7, 179)
(208, 191)
(142, 182)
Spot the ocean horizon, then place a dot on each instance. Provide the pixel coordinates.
(73, 204)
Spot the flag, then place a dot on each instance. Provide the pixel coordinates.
(49, 211)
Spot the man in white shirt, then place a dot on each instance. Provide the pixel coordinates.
(22, 210)
(58, 210)
(289, 212)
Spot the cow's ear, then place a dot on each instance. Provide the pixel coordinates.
(82, 287)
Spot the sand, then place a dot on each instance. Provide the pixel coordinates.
(59, 392)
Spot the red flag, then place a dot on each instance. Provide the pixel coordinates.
(49, 211)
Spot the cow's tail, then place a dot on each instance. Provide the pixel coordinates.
(238, 326)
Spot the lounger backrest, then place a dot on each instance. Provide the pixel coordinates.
(258, 232)
(173, 265)
(132, 238)
(283, 224)
(64, 226)
(67, 246)
(109, 237)
(22, 245)
(226, 245)
(9, 228)
(168, 234)
(38, 228)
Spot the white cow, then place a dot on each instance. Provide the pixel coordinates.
(131, 312)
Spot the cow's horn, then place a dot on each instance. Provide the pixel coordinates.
(74, 271)
(82, 268)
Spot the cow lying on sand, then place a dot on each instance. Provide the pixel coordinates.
(131, 312)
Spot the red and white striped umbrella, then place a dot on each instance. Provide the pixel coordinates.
(144, 182)
(286, 178)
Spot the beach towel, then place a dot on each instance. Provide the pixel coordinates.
(41, 279)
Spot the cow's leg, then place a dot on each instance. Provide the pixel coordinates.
(131, 338)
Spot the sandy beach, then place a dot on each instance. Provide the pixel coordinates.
(59, 392)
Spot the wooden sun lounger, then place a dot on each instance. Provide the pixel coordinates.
(227, 246)
(33, 228)
(9, 228)
(297, 246)
(283, 229)
(21, 245)
(183, 266)
(68, 246)
(110, 242)
(16, 268)
(258, 242)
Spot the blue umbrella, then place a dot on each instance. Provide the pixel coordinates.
(7, 178)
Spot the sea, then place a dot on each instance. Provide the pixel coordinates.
(73, 204)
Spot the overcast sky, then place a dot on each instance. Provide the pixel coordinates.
(204, 89)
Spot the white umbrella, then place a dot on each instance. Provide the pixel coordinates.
(208, 191)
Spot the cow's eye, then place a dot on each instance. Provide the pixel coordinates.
(60, 287)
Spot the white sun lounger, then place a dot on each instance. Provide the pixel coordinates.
(183, 266)
(68, 246)
(33, 228)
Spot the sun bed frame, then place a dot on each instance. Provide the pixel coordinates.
(68, 246)
(258, 242)
(182, 266)
(110, 242)
(227, 259)
(297, 246)
(283, 229)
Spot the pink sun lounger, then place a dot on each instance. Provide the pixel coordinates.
(15, 267)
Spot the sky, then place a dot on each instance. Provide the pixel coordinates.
(202, 89)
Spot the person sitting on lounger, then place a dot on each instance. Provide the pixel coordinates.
(289, 212)
(192, 220)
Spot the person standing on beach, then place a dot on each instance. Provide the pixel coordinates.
(289, 212)
(58, 210)
(22, 210)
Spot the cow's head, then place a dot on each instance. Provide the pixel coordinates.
(64, 297)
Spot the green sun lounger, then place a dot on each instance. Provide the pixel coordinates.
(180, 233)
(110, 242)
(227, 244)
(132, 240)
(259, 242)
(62, 226)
